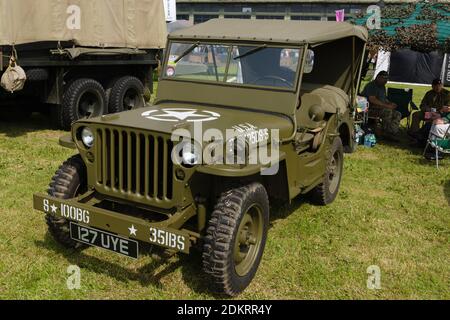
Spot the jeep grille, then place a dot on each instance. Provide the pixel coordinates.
(134, 165)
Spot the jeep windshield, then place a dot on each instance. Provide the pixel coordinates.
(258, 65)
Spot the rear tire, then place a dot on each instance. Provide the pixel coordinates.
(326, 192)
(236, 237)
(108, 88)
(68, 182)
(83, 98)
(126, 94)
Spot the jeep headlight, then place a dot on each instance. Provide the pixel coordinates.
(188, 154)
(87, 137)
(190, 157)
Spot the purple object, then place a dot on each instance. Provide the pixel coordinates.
(340, 15)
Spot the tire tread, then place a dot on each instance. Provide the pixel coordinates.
(219, 238)
(64, 184)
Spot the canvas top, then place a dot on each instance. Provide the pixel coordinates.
(279, 31)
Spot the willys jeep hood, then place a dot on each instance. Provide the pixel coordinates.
(168, 117)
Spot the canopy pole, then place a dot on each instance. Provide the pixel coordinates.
(363, 55)
(353, 73)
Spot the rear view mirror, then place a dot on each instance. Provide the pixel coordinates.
(309, 64)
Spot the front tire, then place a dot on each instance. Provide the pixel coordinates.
(326, 192)
(68, 182)
(236, 237)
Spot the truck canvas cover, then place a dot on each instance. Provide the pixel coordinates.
(99, 23)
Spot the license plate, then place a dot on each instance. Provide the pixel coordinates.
(104, 240)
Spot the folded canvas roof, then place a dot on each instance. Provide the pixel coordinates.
(280, 31)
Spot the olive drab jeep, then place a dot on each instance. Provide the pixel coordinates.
(188, 172)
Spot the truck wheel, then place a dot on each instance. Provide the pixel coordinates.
(126, 94)
(83, 98)
(37, 74)
(326, 192)
(68, 182)
(108, 88)
(235, 238)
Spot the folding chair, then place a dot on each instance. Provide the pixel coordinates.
(403, 98)
(440, 144)
(374, 121)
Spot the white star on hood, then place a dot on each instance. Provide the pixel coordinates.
(181, 115)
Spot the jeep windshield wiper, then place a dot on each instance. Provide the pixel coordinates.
(250, 52)
(184, 54)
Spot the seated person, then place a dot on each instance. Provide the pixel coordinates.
(375, 92)
(441, 123)
(437, 98)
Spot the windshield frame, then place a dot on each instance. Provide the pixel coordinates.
(300, 47)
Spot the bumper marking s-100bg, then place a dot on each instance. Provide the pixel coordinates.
(113, 222)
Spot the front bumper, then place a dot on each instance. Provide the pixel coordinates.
(162, 234)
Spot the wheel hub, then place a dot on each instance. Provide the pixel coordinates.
(332, 169)
(88, 105)
(248, 240)
(130, 100)
(334, 172)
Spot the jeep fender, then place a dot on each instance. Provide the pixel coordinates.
(224, 170)
(66, 141)
(347, 134)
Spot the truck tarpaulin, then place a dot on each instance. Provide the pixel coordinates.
(99, 23)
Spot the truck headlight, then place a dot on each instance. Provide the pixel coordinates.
(87, 137)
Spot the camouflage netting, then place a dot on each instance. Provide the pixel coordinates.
(420, 26)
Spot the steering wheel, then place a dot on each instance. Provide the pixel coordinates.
(276, 78)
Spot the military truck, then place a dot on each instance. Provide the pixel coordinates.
(138, 177)
(81, 58)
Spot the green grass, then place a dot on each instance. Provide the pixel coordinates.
(392, 211)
